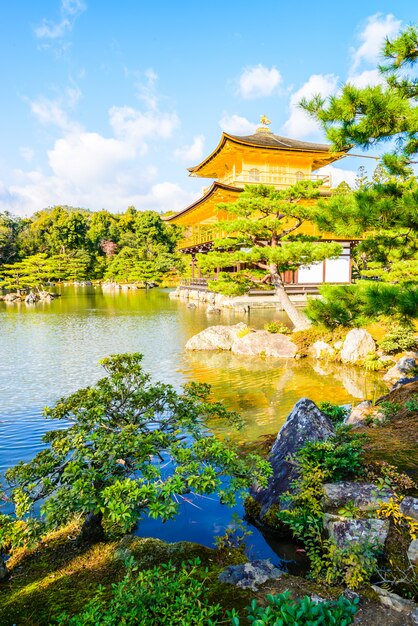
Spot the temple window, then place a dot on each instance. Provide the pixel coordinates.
(254, 175)
(299, 176)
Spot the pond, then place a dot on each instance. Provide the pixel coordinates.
(50, 350)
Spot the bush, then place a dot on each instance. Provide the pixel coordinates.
(398, 339)
(277, 327)
(335, 413)
(338, 306)
(162, 595)
(283, 610)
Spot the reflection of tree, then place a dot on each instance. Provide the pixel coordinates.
(265, 390)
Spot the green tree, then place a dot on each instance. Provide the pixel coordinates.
(382, 212)
(34, 271)
(133, 448)
(260, 224)
(10, 226)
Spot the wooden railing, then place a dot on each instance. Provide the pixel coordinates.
(248, 177)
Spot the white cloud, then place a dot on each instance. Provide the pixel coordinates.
(299, 124)
(70, 10)
(372, 38)
(338, 175)
(192, 153)
(236, 125)
(134, 126)
(51, 112)
(258, 82)
(366, 78)
(166, 196)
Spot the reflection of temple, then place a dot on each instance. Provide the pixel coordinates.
(260, 158)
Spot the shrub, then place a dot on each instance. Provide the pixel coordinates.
(277, 327)
(243, 332)
(338, 306)
(398, 339)
(372, 363)
(336, 413)
(283, 610)
(162, 595)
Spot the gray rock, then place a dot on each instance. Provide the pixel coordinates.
(263, 343)
(31, 298)
(409, 507)
(215, 338)
(3, 570)
(413, 552)
(345, 531)
(11, 297)
(361, 412)
(304, 423)
(413, 616)
(213, 309)
(321, 350)
(191, 305)
(400, 370)
(365, 496)
(358, 343)
(392, 601)
(250, 575)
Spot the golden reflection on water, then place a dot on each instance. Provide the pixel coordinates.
(264, 391)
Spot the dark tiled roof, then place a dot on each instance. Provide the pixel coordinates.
(276, 141)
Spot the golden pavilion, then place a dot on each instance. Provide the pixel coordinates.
(262, 157)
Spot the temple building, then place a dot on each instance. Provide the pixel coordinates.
(269, 159)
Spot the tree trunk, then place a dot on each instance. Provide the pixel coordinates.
(3, 570)
(92, 529)
(298, 319)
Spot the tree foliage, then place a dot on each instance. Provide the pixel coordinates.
(132, 448)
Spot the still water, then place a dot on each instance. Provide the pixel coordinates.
(49, 350)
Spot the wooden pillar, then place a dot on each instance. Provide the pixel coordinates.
(193, 264)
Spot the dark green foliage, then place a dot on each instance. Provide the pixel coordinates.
(398, 339)
(133, 448)
(336, 414)
(354, 305)
(166, 595)
(277, 327)
(282, 610)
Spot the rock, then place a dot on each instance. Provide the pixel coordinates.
(392, 601)
(345, 531)
(213, 309)
(215, 338)
(263, 343)
(413, 552)
(362, 412)
(365, 496)
(409, 507)
(11, 297)
(338, 345)
(304, 423)
(191, 305)
(406, 365)
(321, 350)
(31, 298)
(250, 575)
(3, 570)
(357, 345)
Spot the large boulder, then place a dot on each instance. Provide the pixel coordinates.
(250, 575)
(362, 413)
(3, 570)
(365, 496)
(358, 343)
(215, 338)
(304, 423)
(413, 552)
(345, 531)
(404, 368)
(263, 343)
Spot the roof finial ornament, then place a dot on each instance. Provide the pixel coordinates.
(265, 125)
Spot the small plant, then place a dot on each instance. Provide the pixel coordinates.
(389, 409)
(412, 404)
(372, 363)
(391, 510)
(398, 339)
(243, 332)
(277, 327)
(234, 536)
(284, 611)
(350, 510)
(336, 413)
(387, 476)
(161, 595)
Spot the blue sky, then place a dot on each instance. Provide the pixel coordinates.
(105, 104)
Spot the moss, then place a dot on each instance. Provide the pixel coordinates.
(270, 519)
(252, 508)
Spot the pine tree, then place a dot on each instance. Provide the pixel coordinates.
(261, 228)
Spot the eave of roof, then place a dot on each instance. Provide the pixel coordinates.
(214, 186)
(269, 141)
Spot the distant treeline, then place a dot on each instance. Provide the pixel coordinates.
(70, 244)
